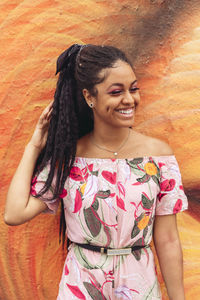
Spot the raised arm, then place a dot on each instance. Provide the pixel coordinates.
(20, 205)
(169, 252)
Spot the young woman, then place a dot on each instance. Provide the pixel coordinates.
(116, 186)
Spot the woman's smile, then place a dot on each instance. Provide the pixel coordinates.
(127, 113)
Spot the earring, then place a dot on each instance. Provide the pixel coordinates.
(91, 105)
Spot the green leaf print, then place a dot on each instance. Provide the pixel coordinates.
(93, 291)
(91, 219)
(135, 161)
(108, 235)
(155, 179)
(135, 168)
(82, 259)
(145, 231)
(150, 220)
(138, 242)
(103, 194)
(104, 261)
(95, 205)
(145, 178)
(140, 217)
(137, 171)
(95, 173)
(147, 203)
(157, 167)
(135, 231)
(137, 253)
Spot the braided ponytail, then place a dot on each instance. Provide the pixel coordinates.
(78, 67)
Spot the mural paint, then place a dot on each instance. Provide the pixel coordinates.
(163, 40)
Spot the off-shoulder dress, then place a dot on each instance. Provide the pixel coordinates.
(113, 203)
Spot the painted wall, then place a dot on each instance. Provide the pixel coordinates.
(163, 40)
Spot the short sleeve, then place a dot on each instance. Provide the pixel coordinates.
(171, 198)
(38, 183)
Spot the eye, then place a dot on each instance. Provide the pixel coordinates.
(134, 89)
(116, 92)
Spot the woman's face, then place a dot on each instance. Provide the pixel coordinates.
(117, 96)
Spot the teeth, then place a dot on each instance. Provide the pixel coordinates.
(127, 111)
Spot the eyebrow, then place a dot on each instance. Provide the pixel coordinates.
(120, 84)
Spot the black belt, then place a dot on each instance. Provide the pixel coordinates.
(111, 251)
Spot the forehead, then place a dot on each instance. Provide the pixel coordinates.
(121, 72)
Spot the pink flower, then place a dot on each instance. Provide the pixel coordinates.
(66, 270)
(111, 177)
(63, 194)
(167, 185)
(78, 202)
(33, 184)
(177, 206)
(90, 167)
(120, 203)
(160, 165)
(76, 291)
(121, 188)
(76, 174)
(161, 195)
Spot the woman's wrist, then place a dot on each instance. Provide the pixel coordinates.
(33, 149)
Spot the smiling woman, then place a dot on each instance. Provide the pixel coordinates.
(117, 97)
(118, 188)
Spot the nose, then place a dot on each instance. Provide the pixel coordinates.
(128, 98)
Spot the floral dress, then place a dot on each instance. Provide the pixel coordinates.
(113, 203)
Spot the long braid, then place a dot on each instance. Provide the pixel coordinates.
(71, 116)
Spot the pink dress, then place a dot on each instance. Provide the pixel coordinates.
(113, 203)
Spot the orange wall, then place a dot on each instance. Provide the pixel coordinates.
(163, 40)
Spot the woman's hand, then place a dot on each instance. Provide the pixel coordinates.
(20, 205)
(40, 133)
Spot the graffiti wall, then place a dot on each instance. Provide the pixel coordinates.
(162, 38)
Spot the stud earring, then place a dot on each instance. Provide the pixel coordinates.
(91, 105)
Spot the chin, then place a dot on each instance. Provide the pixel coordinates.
(125, 124)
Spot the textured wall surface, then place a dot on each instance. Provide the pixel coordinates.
(163, 40)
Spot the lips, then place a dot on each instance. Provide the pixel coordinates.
(125, 114)
(126, 111)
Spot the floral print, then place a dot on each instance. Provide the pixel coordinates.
(113, 203)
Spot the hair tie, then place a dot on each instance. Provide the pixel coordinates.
(79, 53)
(64, 57)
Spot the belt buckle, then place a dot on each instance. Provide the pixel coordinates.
(119, 251)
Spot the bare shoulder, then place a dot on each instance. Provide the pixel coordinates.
(161, 147)
(152, 146)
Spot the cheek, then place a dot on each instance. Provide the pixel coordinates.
(137, 99)
(109, 106)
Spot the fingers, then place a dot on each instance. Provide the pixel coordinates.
(49, 114)
(46, 114)
(48, 108)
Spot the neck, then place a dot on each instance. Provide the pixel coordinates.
(110, 137)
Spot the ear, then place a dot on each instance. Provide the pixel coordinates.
(88, 97)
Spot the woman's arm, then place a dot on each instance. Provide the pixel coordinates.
(20, 205)
(169, 252)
